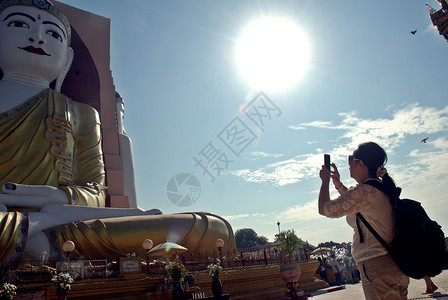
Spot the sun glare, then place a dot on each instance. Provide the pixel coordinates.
(272, 54)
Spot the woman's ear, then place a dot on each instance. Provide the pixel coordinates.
(364, 166)
(68, 64)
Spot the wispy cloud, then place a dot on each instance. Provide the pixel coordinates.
(422, 171)
(425, 176)
(283, 172)
(297, 127)
(303, 212)
(431, 28)
(390, 133)
(260, 154)
(245, 216)
(304, 218)
(236, 217)
(324, 124)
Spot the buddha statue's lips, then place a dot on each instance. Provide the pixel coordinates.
(34, 50)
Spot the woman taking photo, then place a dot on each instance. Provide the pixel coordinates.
(380, 276)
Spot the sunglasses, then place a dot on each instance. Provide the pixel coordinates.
(352, 158)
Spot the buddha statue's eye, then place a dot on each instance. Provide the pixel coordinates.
(54, 34)
(18, 24)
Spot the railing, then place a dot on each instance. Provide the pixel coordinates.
(244, 257)
(194, 262)
(85, 269)
(35, 272)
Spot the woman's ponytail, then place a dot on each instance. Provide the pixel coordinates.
(391, 189)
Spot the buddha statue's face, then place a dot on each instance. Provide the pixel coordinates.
(32, 43)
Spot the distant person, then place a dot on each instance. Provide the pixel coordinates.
(430, 286)
(337, 269)
(380, 276)
(357, 272)
(354, 271)
(349, 268)
(322, 270)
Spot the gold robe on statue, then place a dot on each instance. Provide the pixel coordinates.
(52, 140)
(115, 237)
(49, 140)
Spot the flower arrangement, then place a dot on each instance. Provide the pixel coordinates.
(7, 291)
(214, 269)
(176, 270)
(62, 282)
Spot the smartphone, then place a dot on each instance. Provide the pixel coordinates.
(327, 161)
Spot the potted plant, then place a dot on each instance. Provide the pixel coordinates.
(7, 291)
(288, 244)
(177, 272)
(214, 270)
(62, 283)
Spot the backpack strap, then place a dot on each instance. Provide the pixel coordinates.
(373, 231)
(361, 235)
(379, 185)
(376, 184)
(394, 195)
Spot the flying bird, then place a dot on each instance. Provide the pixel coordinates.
(424, 140)
(413, 32)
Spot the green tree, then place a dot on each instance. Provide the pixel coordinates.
(248, 238)
(288, 243)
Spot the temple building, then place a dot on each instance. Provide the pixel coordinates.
(440, 18)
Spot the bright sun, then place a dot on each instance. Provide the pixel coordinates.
(272, 54)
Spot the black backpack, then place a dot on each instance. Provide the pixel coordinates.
(418, 247)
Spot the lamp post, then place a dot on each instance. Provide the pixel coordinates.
(147, 245)
(68, 248)
(219, 243)
(278, 224)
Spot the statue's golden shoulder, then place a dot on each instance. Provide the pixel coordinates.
(80, 115)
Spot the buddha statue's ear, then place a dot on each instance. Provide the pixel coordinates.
(68, 64)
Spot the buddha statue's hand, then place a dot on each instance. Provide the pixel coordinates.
(36, 196)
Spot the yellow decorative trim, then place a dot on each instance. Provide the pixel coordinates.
(57, 129)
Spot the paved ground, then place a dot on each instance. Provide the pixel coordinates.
(415, 290)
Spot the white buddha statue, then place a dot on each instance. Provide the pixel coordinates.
(51, 164)
(126, 154)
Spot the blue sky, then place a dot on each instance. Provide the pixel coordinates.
(368, 79)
